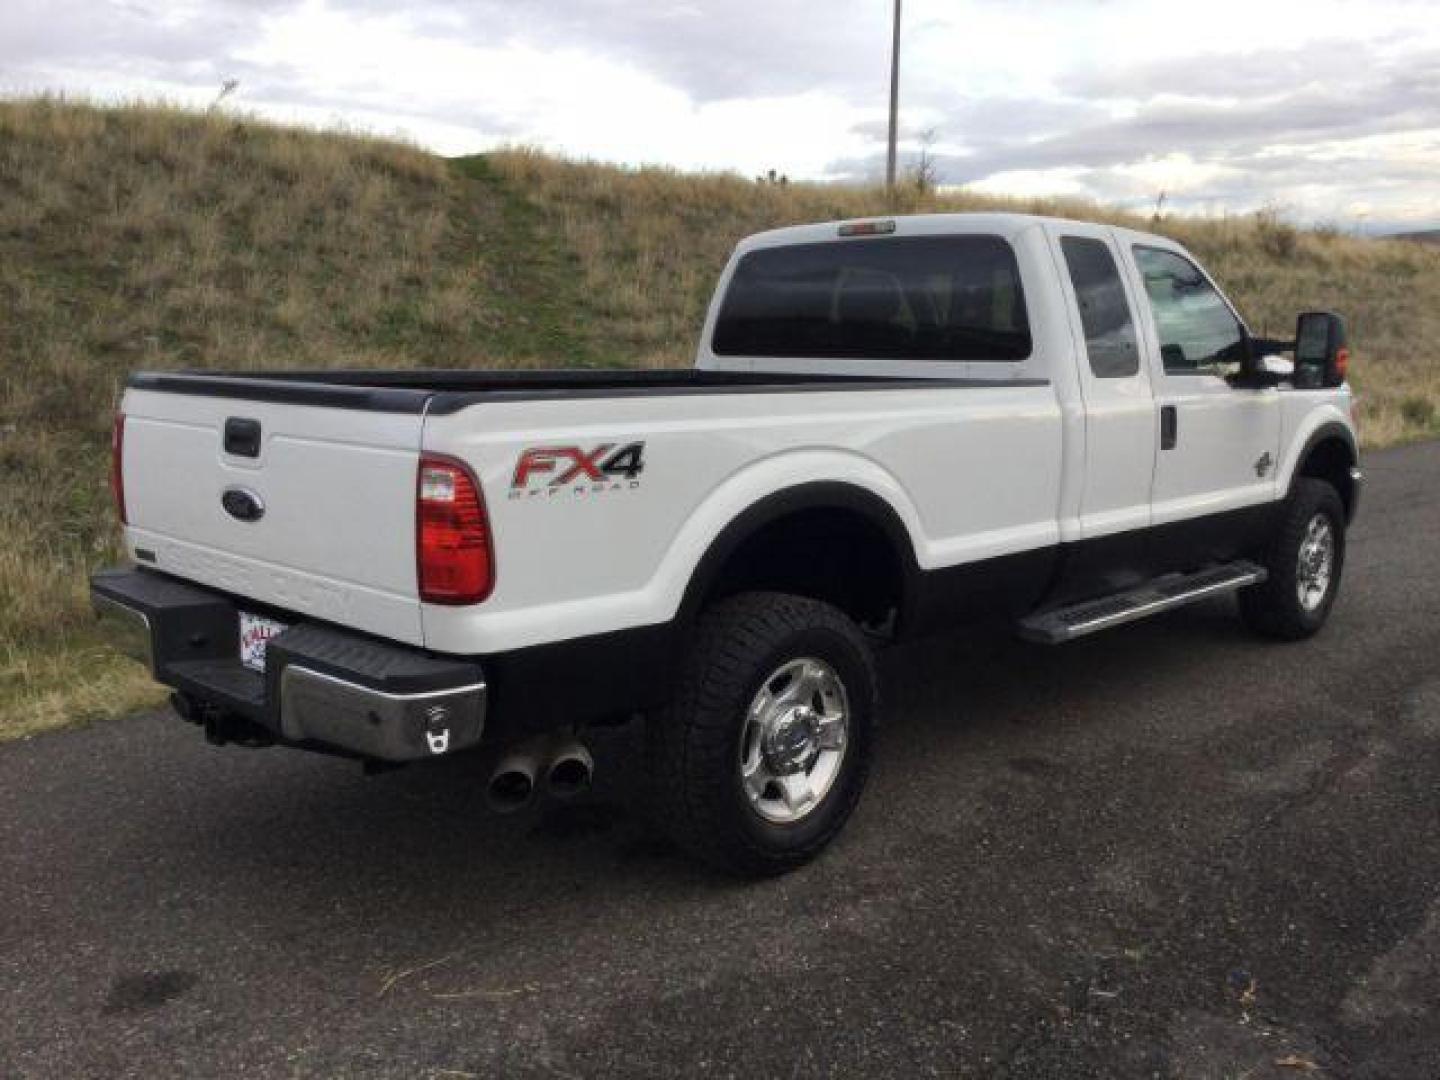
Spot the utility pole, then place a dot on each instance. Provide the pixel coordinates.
(894, 101)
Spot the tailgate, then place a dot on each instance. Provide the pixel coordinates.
(320, 520)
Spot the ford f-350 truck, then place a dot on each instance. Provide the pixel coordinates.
(892, 427)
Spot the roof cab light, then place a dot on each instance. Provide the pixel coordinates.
(455, 561)
(117, 467)
(867, 228)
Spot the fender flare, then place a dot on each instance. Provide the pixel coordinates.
(1324, 432)
(818, 495)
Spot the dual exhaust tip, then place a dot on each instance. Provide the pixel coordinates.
(563, 770)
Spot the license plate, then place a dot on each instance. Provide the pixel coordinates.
(255, 633)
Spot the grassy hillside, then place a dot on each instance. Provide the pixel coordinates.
(150, 238)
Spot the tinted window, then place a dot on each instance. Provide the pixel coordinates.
(1199, 335)
(1104, 311)
(905, 298)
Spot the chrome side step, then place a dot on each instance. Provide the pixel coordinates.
(1163, 594)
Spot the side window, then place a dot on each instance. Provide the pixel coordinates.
(1104, 311)
(1199, 335)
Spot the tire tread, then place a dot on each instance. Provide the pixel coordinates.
(1272, 609)
(689, 741)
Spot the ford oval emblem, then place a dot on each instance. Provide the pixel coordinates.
(242, 504)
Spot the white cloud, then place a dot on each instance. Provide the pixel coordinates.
(567, 99)
(1033, 183)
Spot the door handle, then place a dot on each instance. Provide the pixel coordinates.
(1169, 427)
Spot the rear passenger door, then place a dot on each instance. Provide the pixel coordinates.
(1120, 427)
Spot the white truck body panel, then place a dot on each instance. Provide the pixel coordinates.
(972, 472)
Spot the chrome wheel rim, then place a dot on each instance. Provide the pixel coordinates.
(1316, 564)
(797, 729)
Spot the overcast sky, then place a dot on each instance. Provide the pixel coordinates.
(1328, 110)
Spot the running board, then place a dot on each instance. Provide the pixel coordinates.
(1163, 594)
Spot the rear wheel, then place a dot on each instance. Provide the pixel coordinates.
(762, 754)
(1305, 558)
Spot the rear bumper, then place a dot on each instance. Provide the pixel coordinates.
(322, 688)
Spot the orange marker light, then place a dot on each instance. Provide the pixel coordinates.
(1342, 362)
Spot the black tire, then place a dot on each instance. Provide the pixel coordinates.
(1273, 609)
(698, 796)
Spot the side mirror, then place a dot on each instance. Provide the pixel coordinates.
(1262, 369)
(1322, 351)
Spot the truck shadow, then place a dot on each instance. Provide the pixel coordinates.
(425, 831)
(311, 857)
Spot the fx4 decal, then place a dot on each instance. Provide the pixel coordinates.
(579, 470)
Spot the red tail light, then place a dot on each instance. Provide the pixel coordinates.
(1342, 363)
(117, 467)
(452, 534)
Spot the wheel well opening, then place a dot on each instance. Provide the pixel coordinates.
(835, 555)
(1331, 460)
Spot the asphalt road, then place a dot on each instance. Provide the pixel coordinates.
(1169, 850)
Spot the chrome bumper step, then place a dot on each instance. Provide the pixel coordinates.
(323, 687)
(1163, 594)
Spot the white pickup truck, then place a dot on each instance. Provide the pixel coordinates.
(892, 427)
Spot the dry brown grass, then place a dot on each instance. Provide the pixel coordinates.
(150, 237)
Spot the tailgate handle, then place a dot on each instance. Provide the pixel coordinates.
(242, 437)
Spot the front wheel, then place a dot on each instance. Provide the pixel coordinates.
(1305, 558)
(762, 754)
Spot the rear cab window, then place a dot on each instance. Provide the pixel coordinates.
(936, 298)
(1110, 341)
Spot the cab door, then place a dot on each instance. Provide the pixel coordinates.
(1112, 552)
(1120, 430)
(1217, 443)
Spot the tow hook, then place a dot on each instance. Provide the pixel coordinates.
(437, 729)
